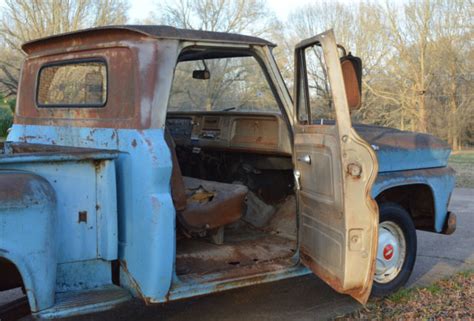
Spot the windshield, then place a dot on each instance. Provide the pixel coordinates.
(231, 84)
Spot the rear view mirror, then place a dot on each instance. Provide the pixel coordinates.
(352, 73)
(201, 74)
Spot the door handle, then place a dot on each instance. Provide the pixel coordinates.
(305, 159)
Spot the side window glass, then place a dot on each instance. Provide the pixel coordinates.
(319, 94)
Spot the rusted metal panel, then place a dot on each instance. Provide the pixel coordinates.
(152, 31)
(140, 72)
(122, 108)
(14, 152)
(251, 132)
(338, 229)
(450, 225)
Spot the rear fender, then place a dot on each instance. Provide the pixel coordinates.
(28, 234)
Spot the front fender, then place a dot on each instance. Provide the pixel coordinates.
(28, 234)
(441, 182)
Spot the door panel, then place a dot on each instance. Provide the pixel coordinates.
(336, 170)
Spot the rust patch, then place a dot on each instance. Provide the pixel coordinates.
(359, 293)
(42, 149)
(450, 224)
(354, 170)
(82, 217)
(18, 188)
(242, 253)
(122, 109)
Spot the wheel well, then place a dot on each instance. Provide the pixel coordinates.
(417, 199)
(10, 277)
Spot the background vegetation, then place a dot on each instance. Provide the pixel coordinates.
(418, 57)
(6, 114)
(463, 163)
(448, 299)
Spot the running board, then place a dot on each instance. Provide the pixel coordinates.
(83, 302)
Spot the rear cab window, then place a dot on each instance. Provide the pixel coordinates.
(80, 83)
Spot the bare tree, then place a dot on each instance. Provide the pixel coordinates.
(359, 27)
(237, 16)
(25, 20)
(453, 84)
(417, 60)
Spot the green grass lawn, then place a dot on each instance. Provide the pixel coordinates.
(463, 163)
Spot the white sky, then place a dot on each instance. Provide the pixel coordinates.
(139, 9)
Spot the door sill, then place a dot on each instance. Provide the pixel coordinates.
(196, 285)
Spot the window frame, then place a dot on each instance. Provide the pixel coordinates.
(247, 52)
(72, 62)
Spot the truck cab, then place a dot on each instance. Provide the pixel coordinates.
(163, 163)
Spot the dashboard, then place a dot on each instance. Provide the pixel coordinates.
(253, 132)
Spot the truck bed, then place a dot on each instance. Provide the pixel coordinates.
(13, 152)
(84, 182)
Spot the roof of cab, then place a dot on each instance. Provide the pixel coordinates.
(163, 32)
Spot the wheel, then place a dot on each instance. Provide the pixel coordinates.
(396, 251)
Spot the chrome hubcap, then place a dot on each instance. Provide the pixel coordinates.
(391, 252)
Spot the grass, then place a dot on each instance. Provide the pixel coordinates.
(451, 299)
(463, 163)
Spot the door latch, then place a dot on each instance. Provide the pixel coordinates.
(297, 175)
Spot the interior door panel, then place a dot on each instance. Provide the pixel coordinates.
(335, 170)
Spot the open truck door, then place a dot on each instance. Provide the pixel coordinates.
(334, 170)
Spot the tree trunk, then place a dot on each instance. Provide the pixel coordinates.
(423, 122)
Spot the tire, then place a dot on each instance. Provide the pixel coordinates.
(396, 231)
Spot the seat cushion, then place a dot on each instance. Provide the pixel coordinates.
(211, 204)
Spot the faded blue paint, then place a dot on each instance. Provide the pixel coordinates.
(139, 226)
(83, 275)
(75, 303)
(394, 160)
(75, 184)
(28, 237)
(441, 181)
(146, 216)
(399, 150)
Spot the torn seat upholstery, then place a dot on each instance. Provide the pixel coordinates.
(204, 205)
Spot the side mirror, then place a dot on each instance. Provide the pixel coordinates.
(201, 74)
(352, 73)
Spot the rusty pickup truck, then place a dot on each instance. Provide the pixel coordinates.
(160, 163)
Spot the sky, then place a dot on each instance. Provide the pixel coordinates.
(140, 9)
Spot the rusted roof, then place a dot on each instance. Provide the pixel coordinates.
(164, 32)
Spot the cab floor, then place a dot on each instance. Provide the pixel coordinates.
(242, 247)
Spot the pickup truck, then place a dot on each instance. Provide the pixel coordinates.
(159, 163)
